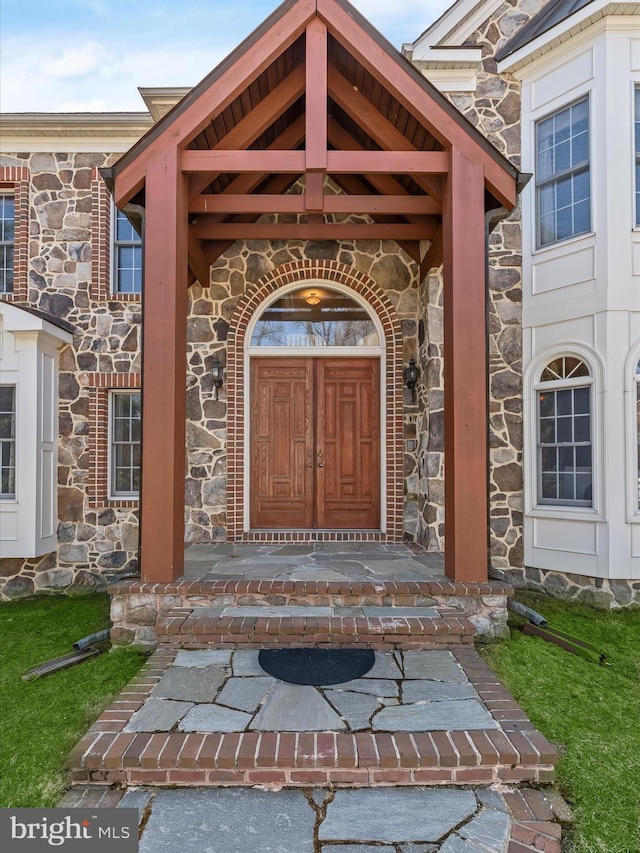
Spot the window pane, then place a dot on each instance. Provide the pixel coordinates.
(564, 430)
(579, 149)
(583, 428)
(315, 318)
(549, 459)
(565, 401)
(547, 431)
(7, 442)
(583, 457)
(549, 486)
(583, 487)
(547, 404)
(565, 458)
(582, 217)
(567, 487)
(581, 400)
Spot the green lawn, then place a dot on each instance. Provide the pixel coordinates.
(592, 710)
(41, 720)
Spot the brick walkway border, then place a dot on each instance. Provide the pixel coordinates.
(518, 753)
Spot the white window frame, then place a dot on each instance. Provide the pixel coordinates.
(632, 460)
(112, 492)
(570, 172)
(116, 245)
(11, 496)
(636, 149)
(569, 383)
(531, 385)
(9, 244)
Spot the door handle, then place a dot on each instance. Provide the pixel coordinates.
(320, 464)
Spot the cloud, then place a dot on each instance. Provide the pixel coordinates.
(82, 61)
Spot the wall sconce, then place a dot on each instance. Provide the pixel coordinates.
(216, 373)
(411, 373)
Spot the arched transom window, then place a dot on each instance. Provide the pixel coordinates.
(565, 464)
(315, 317)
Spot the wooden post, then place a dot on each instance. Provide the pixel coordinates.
(465, 373)
(164, 370)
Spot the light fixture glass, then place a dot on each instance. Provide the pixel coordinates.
(312, 298)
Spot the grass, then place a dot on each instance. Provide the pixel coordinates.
(592, 710)
(41, 720)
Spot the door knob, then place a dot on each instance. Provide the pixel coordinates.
(320, 464)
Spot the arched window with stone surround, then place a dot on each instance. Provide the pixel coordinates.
(565, 433)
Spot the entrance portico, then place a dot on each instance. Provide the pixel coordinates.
(315, 98)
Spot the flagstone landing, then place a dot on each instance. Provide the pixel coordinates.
(214, 717)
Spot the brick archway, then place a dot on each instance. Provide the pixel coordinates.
(293, 273)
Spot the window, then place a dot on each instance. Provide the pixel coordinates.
(7, 442)
(127, 255)
(637, 150)
(565, 463)
(7, 234)
(125, 444)
(315, 317)
(562, 174)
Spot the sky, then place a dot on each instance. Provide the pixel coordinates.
(91, 55)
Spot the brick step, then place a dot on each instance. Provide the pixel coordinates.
(121, 750)
(261, 626)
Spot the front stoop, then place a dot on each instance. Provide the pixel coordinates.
(513, 753)
(168, 614)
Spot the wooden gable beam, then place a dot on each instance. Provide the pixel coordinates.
(376, 125)
(247, 182)
(203, 230)
(316, 97)
(226, 84)
(386, 184)
(256, 122)
(433, 256)
(228, 203)
(415, 98)
(293, 162)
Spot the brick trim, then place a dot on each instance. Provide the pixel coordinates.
(299, 272)
(99, 386)
(101, 207)
(16, 179)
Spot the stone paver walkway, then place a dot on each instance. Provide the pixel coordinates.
(323, 561)
(379, 820)
(228, 691)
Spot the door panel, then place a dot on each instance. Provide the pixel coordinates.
(281, 476)
(315, 443)
(348, 443)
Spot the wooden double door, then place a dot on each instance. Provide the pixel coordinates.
(315, 443)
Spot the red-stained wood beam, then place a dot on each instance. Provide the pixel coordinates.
(269, 203)
(433, 256)
(382, 131)
(247, 182)
(465, 373)
(385, 184)
(415, 98)
(186, 123)
(163, 370)
(313, 198)
(316, 96)
(293, 162)
(310, 231)
(248, 129)
(290, 162)
(199, 263)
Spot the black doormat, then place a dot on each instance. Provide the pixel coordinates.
(316, 666)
